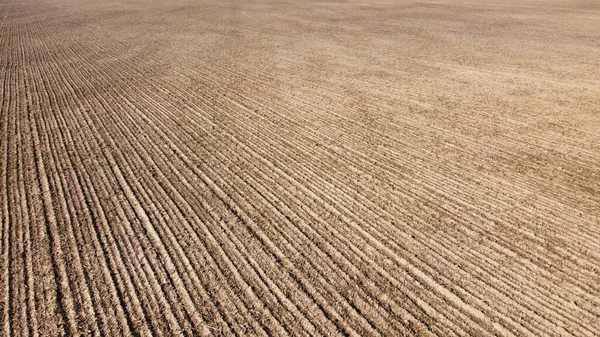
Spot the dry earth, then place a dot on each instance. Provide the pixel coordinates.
(299, 168)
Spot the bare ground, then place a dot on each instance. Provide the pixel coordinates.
(299, 168)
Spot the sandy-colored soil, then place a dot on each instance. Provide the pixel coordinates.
(299, 168)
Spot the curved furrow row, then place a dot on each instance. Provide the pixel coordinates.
(335, 102)
(58, 187)
(271, 103)
(122, 216)
(7, 122)
(394, 160)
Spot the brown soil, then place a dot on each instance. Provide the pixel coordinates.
(299, 168)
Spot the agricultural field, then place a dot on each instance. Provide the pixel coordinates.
(299, 167)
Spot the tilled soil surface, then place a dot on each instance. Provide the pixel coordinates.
(299, 168)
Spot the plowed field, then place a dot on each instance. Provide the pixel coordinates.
(273, 168)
